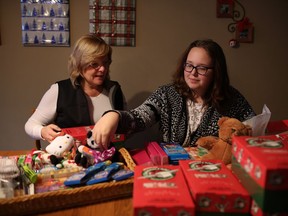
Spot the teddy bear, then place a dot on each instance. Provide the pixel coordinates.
(91, 153)
(221, 147)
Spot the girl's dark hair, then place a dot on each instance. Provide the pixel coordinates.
(219, 88)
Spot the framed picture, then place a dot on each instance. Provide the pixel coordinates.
(45, 23)
(225, 8)
(245, 34)
(114, 21)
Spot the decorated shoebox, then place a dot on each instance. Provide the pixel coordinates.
(215, 189)
(161, 190)
(261, 164)
(274, 127)
(257, 211)
(80, 134)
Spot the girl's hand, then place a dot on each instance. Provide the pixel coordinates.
(105, 129)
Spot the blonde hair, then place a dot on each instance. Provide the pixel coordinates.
(86, 49)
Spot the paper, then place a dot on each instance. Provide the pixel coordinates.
(259, 123)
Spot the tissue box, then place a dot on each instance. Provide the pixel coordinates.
(161, 190)
(215, 189)
(261, 164)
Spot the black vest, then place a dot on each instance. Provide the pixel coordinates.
(72, 105)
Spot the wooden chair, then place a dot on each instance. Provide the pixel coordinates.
(37, 142)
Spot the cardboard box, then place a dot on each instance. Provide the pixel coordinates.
(175, 152)
(264, 158)
(274, 127)
(257, 211)
(268, 201)
(157, 154)
(140, 157)
(161, 190)
(215, 189)
(261, 164)
(80, 134)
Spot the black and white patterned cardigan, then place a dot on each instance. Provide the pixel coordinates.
(168, 107)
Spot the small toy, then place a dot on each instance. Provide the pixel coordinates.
(92, 153)
(122, 174)
(105, 175)
(220, 147)
(82, 177)
(60, 145)
(56, 152)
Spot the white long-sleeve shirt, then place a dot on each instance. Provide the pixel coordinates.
(45, 113)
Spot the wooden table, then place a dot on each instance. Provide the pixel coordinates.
(119, 207)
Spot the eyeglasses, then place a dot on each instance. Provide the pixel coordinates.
(202, 70)
(97, 66)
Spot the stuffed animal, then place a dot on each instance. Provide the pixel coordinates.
(60, 145)
(221, 147)
(91, 153)
(58, 150)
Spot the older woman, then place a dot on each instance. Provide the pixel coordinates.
(82, 99)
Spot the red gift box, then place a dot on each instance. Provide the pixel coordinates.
(157, 154)
(274, 127)
(214, 188)
(261, 164)
(264, 158)
(257, 211)
(161, 190)
(140, 157)
(80, 134)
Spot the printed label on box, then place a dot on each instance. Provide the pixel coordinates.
(214, 188)
(161, 190)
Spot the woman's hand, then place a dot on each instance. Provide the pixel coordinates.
(105, 129)
(50, 132)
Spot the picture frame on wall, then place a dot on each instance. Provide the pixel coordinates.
(45, 23)
(225, 8)
(114, 21)
(245, 33)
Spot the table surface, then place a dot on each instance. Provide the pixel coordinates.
(119, 207)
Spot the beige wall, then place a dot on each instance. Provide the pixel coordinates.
(164, 29)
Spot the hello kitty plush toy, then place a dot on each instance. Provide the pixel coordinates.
(56, 151)
(60, 145)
